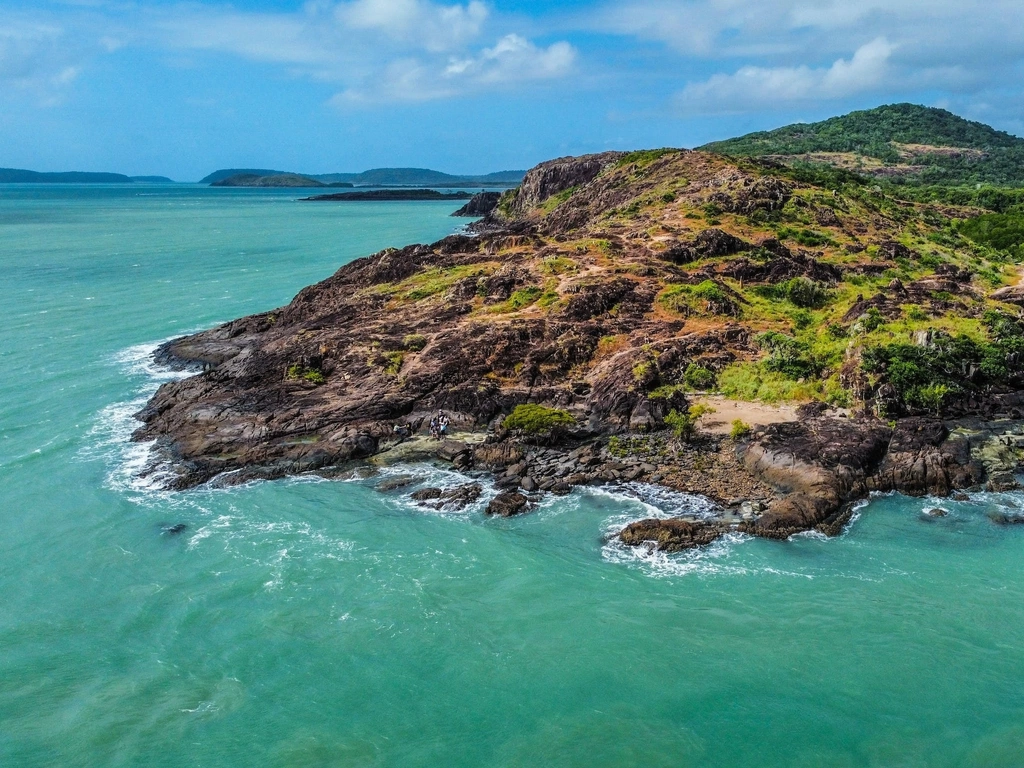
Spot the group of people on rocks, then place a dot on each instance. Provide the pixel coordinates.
(439, 426)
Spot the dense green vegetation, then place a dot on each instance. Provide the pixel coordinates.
(998, 157)
(1002, 231)
(537, 419)
(925, 377)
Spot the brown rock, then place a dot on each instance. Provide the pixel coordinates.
(671, 535)
(507, 504)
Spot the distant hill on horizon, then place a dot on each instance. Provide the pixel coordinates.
(904, 143)
(379, 177)
(22, 176)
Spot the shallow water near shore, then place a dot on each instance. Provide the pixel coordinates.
(321, 622)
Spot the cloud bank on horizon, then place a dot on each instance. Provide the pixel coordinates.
(168, 87)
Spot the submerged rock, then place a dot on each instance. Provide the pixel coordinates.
(394, 483)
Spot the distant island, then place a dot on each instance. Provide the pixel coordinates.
(376, 177)
(292, 180)
(20, 176)
(382, 195)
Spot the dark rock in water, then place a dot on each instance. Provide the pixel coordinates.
(936, 512)
(425, 494)
(173, 530)
(394, 483)
(507, 504)
(449, 498)
(462, 495)
(1001, 518)
(671, 535)
(480, 204)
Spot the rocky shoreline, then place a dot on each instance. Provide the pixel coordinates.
(782, 480)
(564, 301)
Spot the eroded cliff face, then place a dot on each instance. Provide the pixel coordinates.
(593, 288)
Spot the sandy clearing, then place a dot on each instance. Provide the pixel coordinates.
(754, 414)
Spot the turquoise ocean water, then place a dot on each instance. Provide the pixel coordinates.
(322, 623)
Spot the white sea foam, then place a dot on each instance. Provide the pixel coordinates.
(429, 475)
(641, 500)
(134, 466)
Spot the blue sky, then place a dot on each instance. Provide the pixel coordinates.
(181, 89)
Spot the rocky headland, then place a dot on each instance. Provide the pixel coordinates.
(570, 336)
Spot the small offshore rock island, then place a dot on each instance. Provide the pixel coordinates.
(575, 335)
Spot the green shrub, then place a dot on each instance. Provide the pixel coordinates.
(698, 377)
(297, 371)
(805, 237)
(836, 331)
(414, 342)
(706, 296)
(313, 376)
(872, 320)
(788, 356)
(684, 425)
(740, 429)
(392, 362)
(536, 419)
(665, 392)
(801, 291)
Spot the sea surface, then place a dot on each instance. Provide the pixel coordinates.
(309, 622)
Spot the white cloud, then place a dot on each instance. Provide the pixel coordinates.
(433, 26)
(36, 59)
(513, 60)
(753, 87)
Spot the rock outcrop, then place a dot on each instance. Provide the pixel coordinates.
(599, 288)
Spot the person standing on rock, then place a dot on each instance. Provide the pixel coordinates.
(442, 423)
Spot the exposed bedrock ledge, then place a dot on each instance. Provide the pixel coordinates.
(820, 467)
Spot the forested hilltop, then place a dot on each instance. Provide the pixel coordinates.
(902, 143)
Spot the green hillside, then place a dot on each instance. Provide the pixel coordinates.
(904, 143)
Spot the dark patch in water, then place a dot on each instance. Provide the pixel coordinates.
(167, 529)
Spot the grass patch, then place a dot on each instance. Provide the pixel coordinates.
(558, 265)
(751, 382)
(414, 342)
(431, 282)
(705, 297)
(556, 200)
(536, 419)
